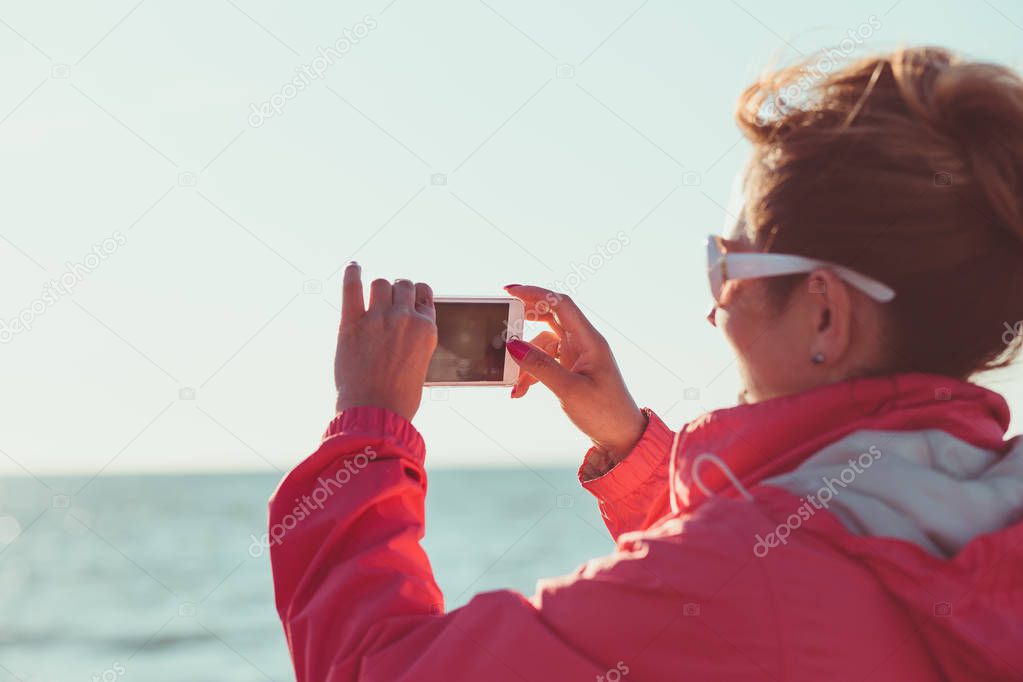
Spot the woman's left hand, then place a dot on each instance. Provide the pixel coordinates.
(383, 350)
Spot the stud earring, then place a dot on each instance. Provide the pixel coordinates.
(817, 358)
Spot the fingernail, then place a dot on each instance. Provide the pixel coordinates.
(517, 348)
(351, 263)
(509, 286)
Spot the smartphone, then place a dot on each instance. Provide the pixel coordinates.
(471, 337)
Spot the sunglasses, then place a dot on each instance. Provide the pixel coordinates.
(724, 266)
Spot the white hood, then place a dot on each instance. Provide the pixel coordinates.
(926, 487)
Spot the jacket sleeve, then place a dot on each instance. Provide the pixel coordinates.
(633, 495)
(355, 590)
(358, 599)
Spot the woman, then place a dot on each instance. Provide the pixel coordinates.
(857, 517)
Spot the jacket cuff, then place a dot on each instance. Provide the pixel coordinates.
(633, 470)
(379, 423)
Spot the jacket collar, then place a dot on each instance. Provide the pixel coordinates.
(761, 440)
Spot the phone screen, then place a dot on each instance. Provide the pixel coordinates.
(470, 342)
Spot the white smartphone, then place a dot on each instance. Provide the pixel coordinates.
(471, 337)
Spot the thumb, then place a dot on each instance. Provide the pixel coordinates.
(543, 366)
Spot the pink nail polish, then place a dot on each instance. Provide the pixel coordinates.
(518, 349)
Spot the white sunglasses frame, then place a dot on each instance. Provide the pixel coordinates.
(723, 266)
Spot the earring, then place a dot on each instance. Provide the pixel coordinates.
(817, 358)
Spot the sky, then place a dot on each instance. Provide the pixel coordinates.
(176, 207)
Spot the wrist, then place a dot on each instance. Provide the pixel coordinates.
(621, 447)
(347, 401)
(603, 457)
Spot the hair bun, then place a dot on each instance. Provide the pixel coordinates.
(980, 107)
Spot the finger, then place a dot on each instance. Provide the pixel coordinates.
(544, 304)
(544, 367)
(549, 343)
(549, 319)
(352, 303)
(534, 311)
(424, 300)
(379, 295)
(403, 294)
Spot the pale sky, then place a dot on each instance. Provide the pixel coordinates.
(465, 143)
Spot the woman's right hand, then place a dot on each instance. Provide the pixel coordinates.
(575, 362)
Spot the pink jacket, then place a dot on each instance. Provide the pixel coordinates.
(867, 530)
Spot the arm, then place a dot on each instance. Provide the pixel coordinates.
(358, 600)
(354, 589)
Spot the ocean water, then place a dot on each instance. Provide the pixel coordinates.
(158, 578)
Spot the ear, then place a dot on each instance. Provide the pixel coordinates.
(831, 312)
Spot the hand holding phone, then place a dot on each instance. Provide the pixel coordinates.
(383, 349)
(576, 363)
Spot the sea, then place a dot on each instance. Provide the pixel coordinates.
(166, 578)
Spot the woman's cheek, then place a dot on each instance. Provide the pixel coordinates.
(730, 324)
(733, 326)
(743, 326)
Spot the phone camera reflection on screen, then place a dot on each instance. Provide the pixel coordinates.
(470, 342)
